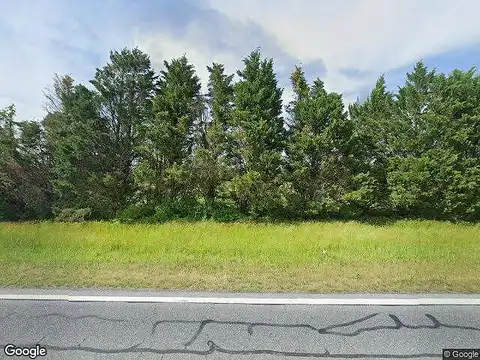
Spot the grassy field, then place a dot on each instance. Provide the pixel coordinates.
(405, 256)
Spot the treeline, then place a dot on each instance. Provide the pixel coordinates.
(143, 146)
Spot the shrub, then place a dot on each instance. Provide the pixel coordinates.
(136, 212)
(73, 215)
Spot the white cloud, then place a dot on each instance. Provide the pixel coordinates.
(368, 35)
(41, 38)
(371, 36)
(163, 46)
(213, 38)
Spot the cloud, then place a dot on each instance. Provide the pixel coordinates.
(210, 36)
(41, 38)
(347, 43)
(367, 36)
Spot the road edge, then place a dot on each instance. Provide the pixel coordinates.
(241, 299)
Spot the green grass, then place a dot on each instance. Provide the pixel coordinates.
(405, 256)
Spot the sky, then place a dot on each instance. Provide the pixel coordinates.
(346, 43)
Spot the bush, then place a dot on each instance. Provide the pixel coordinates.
(73, 215)
(185, 209)
(221, 211)
(136, 212)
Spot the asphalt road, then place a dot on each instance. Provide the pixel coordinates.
(126, 330)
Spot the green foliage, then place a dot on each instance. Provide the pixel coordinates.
(78, 149)
(125, 87)
(136, 212)
(319, 148)
(24, 188)
(258, 130)
(141, 147)
(208, 171)
(212, 160)
(169, 136)
(73, 215)
(256, 197)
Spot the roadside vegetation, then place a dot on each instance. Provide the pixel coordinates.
(141, 146)
(401, 256)
(88, 193)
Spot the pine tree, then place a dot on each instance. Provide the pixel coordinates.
(319, 148)
(126, 86)
(258, 137)
(170, 136)
(373, 125)
(212, 160)
(79, 149)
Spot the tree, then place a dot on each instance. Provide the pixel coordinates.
(211, 163)
(373, 125)
(24, 187)
(411, 137)
(126, 86)
(319, 149)
(258, 124)
(58, 94)
(79, 150)
(170, 135)
(140, 146)
(435, 169)
(258, 137)
(8, 141)
(8, 148)
(415, 109)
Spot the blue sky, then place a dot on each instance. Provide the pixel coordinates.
(347, 43)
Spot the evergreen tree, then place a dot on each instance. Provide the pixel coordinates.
(436, 170)
(24, 185)
(140, 146)
(211, 165)
(171, 134)
(373, 124)
(79, 150)
(319, 148)
(126, 86)
(258, 137)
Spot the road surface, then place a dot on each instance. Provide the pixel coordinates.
(84, 328)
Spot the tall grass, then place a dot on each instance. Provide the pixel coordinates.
(406, 256)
